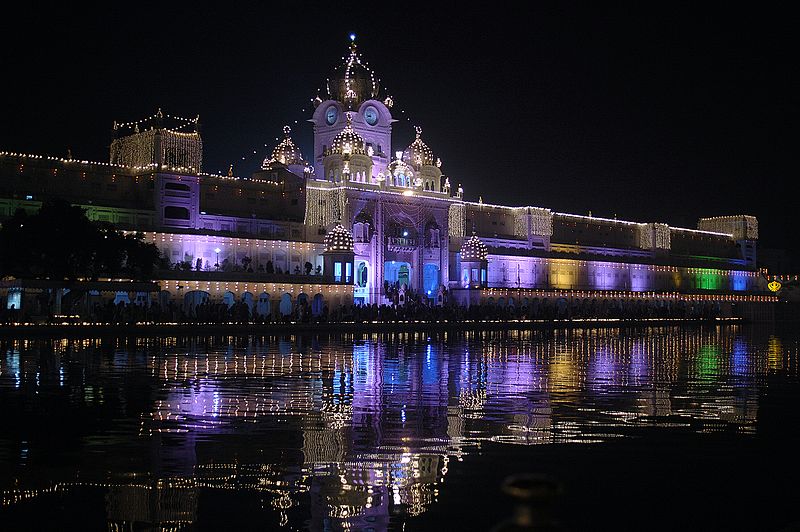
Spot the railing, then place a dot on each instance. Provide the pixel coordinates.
(233, 276)
(401, 241)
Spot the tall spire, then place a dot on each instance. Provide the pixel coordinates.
(353, 82)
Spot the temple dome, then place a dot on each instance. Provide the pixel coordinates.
(339, 239)
(285, 153)
(418, 153)
(353, 82)
(347, 141)
(474, 249)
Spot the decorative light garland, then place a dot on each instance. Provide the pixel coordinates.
(325, 206)
(742, 227)
(456, 220)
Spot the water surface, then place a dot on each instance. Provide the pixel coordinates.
(652, 428)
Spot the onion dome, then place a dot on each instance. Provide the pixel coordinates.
(285, 153)
(348, 142)
(418, 153)
(339, 239)
(474, 249)
(353, 82)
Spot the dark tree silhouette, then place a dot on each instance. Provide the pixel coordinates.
(61, 243)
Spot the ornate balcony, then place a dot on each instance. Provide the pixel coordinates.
(401, 243)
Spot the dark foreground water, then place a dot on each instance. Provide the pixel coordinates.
(666, 428)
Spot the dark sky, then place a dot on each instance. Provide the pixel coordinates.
(663, 113)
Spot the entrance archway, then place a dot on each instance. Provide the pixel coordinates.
(397, 273)
(286, 304)
(229, 299)
(317, 304)
(194, 297)
(430, 280)
(248, 300)
(263, 306)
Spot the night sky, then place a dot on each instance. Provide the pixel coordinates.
(664, 113)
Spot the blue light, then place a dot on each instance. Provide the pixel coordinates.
(353, 37)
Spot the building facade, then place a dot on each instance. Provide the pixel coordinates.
(412, 230)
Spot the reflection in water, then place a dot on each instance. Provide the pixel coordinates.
(352, 432)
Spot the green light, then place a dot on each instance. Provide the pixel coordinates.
(708, 362)
(707, 279)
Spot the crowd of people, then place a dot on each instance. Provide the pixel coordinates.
(414, 308)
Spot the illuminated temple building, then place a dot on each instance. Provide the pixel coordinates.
(405, 226)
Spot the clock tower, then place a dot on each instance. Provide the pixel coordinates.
(352, 98)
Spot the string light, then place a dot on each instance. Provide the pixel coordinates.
(742, 227)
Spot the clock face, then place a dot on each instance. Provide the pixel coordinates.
(331, 114)
(371, 115)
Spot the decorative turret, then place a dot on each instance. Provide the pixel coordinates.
(420, 157)
(400, 174)
(474, 264)
(339, 239)
(348, 142)
(474, 249)
(418, 154)
(285, 153)
(338, 256)
(347, 159)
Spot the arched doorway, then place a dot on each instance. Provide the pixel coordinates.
(229, 299)
(263, 307)
(164, 297)
(397, 273)
(317, 305)
(361, 291)
(193, 298)
(430, 280)
(286, 305)
(247, 299)
(302, 300)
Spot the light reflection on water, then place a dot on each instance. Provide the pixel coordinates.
(354, 431)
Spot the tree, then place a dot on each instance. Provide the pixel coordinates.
(61, 243)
